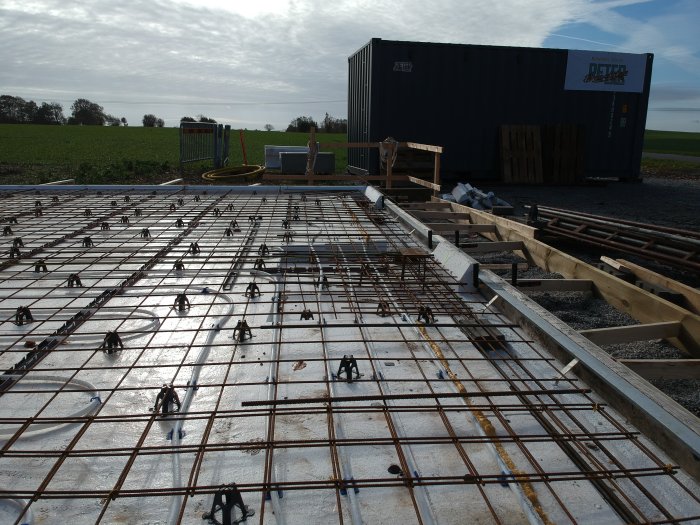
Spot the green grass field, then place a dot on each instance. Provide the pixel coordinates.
(90, 154)
(678, 142)
(32, 154)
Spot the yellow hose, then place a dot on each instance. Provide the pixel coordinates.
(247, 173)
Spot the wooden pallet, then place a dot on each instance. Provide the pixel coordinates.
(562, 154)
(551, 154)
(521, 154)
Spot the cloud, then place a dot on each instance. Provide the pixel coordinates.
(268, 52)
(671, 36)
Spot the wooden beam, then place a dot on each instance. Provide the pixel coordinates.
(491, 246)
(436, 172)
(424, 183)
(508, 229)
(311, 179)
(424, 147)
(555, 285)
(692, 295)
(444, 205)
(612, 263)
(331, 145)
(412, 145)
(664, 368)
(319, 178)
(452, 227)
(631, 333)
(430, 214)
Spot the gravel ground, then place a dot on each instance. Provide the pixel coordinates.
(668, 202)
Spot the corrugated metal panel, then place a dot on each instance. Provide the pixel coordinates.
(458, 96)
(359, 105)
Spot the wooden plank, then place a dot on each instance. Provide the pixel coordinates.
(643, 306)
(612, 263)
(555, 285)
(521, 154)
(444, 205)
(436, 172)
(506, 156)
(412, 145)
(452, 227)
(424, 183)
(424, 147)
(525, 153)
(492, 246)
(319, 178)
(692, 295)
(664, 368)
(505, 227)
(537, 152)
(629, 334)
(331, 145)
(309, 162)
(429, 214)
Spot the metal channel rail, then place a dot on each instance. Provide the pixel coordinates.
(679, 248)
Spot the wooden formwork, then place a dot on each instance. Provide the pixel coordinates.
(658, 317)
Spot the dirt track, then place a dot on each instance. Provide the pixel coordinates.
(668, 202)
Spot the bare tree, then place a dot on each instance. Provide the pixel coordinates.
(269, 127)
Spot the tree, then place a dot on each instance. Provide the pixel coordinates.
(202, 118)
(269, 127)
(112, 120)
(29, 112)
(87, 113)
(160, 123)
(149, 120)
(50, 113)
(124, 122)
(302, 124)
(187, 119)
(16, 110)
(334, 125)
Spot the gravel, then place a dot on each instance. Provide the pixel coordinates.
(667, 202)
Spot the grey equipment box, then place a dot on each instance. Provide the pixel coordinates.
(296, 162)
(272, 154)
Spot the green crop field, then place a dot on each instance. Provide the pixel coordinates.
(678, 142)
(93, 154)
(32, 154)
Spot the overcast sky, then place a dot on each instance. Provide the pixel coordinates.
(252, 62)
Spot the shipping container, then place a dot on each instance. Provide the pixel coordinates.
(488, 106)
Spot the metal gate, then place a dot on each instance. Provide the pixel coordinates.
(203, 141)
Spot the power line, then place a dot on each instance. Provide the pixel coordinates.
(173, 103)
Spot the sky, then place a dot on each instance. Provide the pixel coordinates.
(256, 62)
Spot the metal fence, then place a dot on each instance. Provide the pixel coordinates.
(203, 141)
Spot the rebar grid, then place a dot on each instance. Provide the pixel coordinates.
(492, 428)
